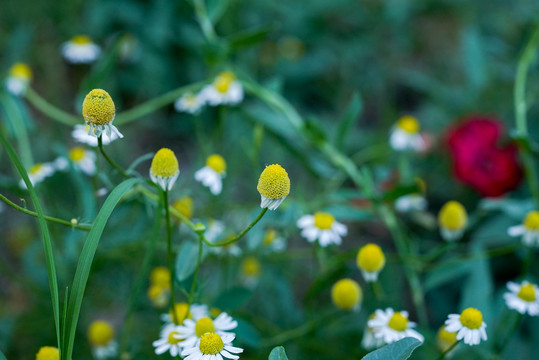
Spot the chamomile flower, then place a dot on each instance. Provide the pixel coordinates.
(369, 341)
(168, 341)
(412, 202)
(250, 271)
(323, 227)
(392, 326)
(225, 90)
(273, 186)
(81, 134)
(38, 173)
(529, 230)
(18, 79)
(80, 49)
(273, 241)
(213, 173)
(445, 339)
(346, 294)
(48, 353)
(213, 346)
(192, 331)
(452, 220)
(98, 111)
(468, 325)
(405, 135)
(83, 159)
(523, 298)
(185, 206)
(183, 311)
(101, 338)
(164, 169)
(370, 260)
(190, 103)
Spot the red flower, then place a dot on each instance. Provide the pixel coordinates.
(478, 158)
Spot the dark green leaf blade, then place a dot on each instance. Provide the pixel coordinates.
(278, 353)
(399, 350)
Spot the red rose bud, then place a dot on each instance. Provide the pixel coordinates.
(478, 159)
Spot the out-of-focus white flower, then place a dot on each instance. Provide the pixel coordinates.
(405, 135)
(468, 325)
(190, 103)
(80, 134)
(392, 326)
(523, 298)
(529, 230)
(18, 79)
(212, 174)
(38, 173)
(225, 90)
(83, 159)
(323, 227)
(80, 49)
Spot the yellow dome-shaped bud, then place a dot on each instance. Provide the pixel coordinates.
(409, 124)
(182, 313)
(164, 163)
(98, 107)
(453, 216)
(273, 186)
(21, 71)
(346, 294)
(371, 258)
(531, 222)
(100, 333)
(48, 353)
(445, 339)
(160, 276)
(217, 163)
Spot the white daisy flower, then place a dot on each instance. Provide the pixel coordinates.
(183, 311)
(212, 174)
(529, 230)
(392, 326)
(410, 202)
(369, 341)
(212, 346)
(225, 90)
(273, 241)
(60, 163)
(468, 325)
(405, 135)
(18, 79)
(273, 186)
(452, 220)
(164, 169)
(80, 49)
(38, 173)
(190, 103)
(101, 338)
(99, 112)
(523, 298)
(83, 159)
(80, 134)
(323, 227)
(168, 341)
(192, 330)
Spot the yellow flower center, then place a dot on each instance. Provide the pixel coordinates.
(181, 310)
(203, 326)
(35, 169)
(527, 293)
(323, 220)
(164, 163)
(81, 40)
(21, 71)
(217, 163)
(223, 81)
(185, 206)
(274, 182)
(98, 107)
(160, 276)
(211, 344)
(371, 258)
(214, 312)
(100, 333)
(270, 236)
(48, 353)
(398, 322)
(251, 267)
(532, 221)
(471, 318)
(77, 154)
(445, 339)
(408, 124)
(453, 216)
(173, 340)
(346, 294)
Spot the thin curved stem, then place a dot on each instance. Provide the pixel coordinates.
(109, 160)
(170, 258)
(204, 20)
(50, 110)
(195, 275)
(85, 227)
(237, 237)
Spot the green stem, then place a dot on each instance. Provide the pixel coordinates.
(527, 261)
(171, 266)
(109, 160)
(204, 20)
(520, 114)
(84, 227)
(50, 110)
(237, 237)
(442, 356)
(195, 275)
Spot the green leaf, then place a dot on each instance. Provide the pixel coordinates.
(85, 262)
(2, 356)
(47, 245)
(399, 350)
(347, 122)
(15, 116)
(186, 261)
(278, 353)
